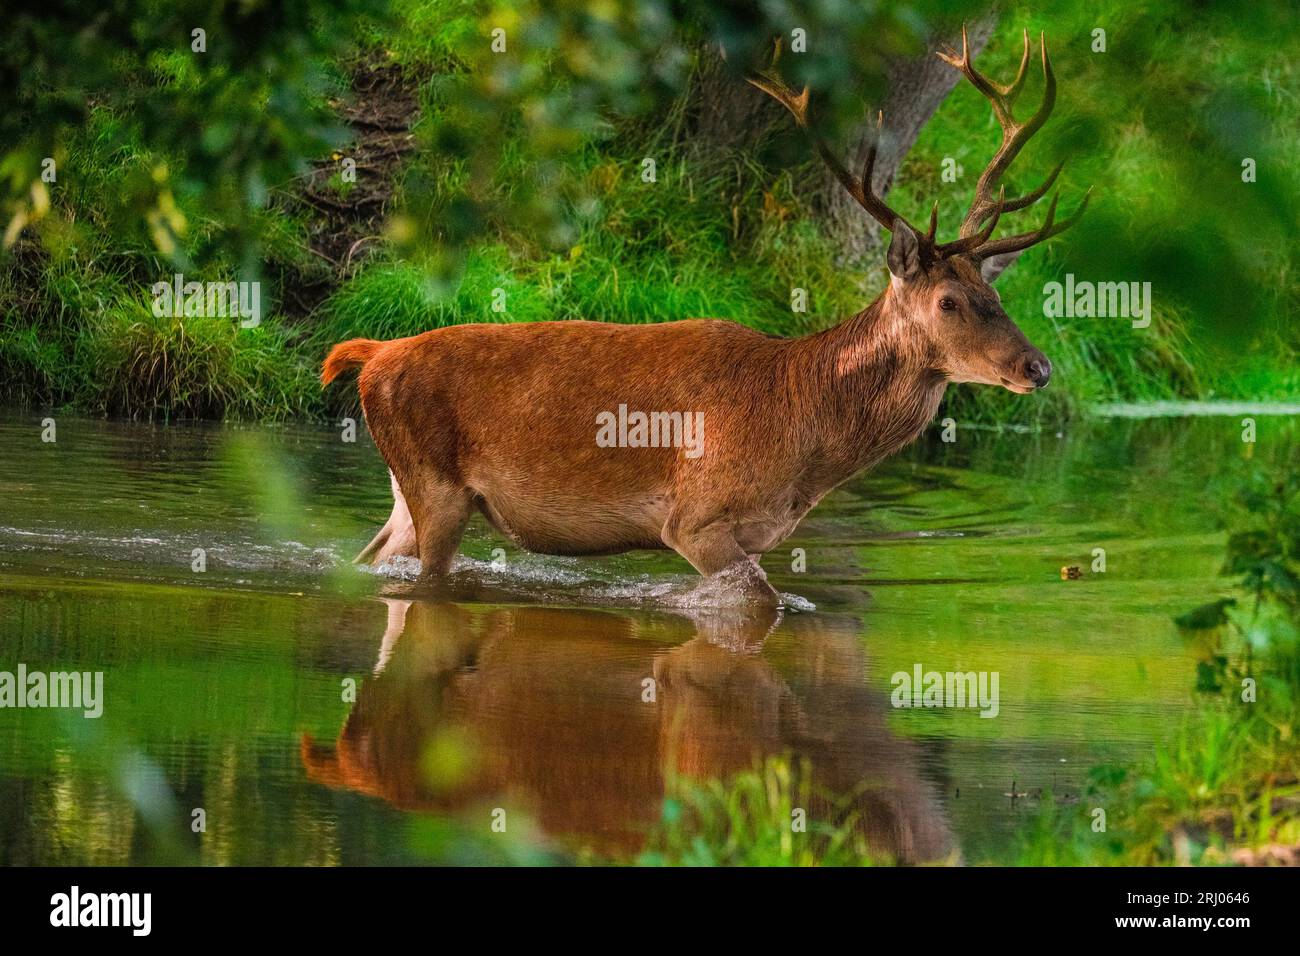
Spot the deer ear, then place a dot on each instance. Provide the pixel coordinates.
(993, 266)
(904, 256)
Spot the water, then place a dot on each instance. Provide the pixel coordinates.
(230, 732)
(1190, 409)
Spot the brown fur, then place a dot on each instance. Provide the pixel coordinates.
(503, 419)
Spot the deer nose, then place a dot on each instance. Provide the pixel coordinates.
(1038, 370)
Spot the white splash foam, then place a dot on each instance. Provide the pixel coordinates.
(551, 578)
(399, 568)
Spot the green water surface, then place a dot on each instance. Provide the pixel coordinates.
(557, 693)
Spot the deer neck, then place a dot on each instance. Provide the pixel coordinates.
(862, 390)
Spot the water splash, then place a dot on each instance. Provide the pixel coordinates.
(568, 579)
(146, 549)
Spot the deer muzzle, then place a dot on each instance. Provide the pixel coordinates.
(1038, 369)
(1030, 371)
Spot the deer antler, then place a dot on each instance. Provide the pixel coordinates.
(1014, 137)
(975, 236)
(770, 82)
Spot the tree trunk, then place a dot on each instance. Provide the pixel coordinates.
(917, 87)
(724, 113)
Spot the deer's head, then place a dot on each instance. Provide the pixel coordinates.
(943, 291)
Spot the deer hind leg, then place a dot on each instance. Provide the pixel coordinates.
(712, 549)
(397, 537)
(440, 510)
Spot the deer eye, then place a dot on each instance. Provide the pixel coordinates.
(947, 304)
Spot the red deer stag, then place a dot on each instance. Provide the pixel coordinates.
(725, 437)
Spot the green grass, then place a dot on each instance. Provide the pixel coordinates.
(1225, 782)
(189, 367)
(103, 350)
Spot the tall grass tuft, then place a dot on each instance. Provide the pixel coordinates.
(132, 362)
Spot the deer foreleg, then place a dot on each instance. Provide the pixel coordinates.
(712, 549)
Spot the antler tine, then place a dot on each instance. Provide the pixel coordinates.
(971, 243)
(770, 82)
(1047, 230)
(1003, 96)
(869, 162)
(1012, 91)
(1029, 198)
(967, 66)
(1049, 94)
(934, 222)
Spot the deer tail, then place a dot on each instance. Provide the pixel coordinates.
(347, 355)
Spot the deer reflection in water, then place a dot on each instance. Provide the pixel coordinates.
(553, 703)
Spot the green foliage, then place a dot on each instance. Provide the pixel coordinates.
(207, 133)
(1263, 553)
